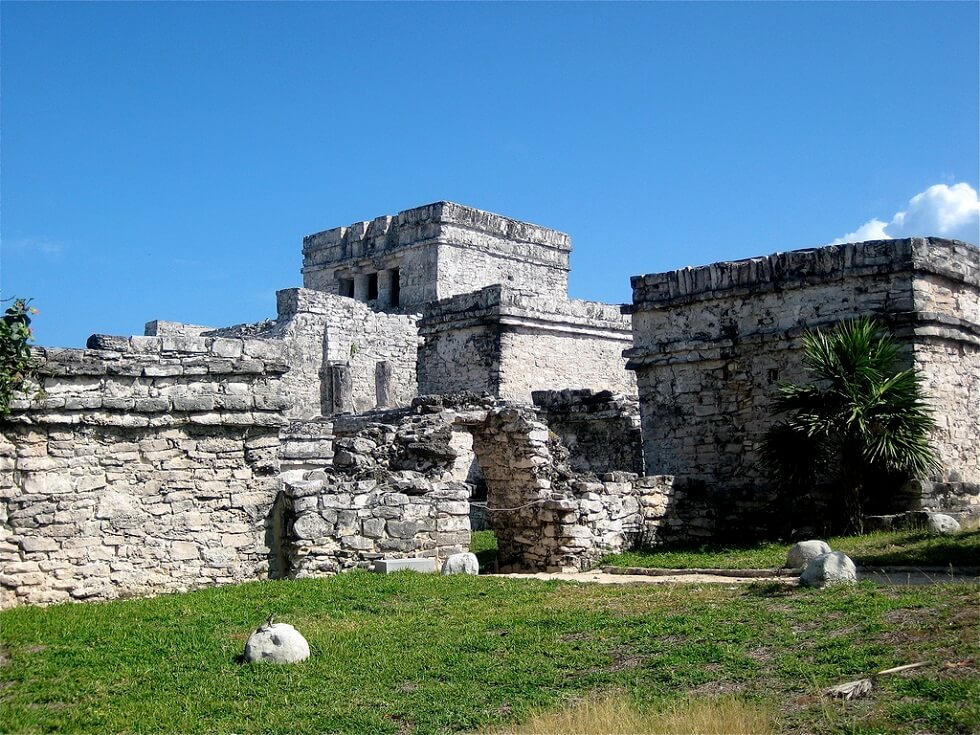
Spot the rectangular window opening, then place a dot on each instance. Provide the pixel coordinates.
(346, 287)
(372, 293)
(395, 288)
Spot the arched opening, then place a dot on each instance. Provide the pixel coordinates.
(511, 450)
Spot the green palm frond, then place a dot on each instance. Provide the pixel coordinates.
(860, 417)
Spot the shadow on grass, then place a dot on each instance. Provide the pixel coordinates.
(920, 548)
(769, 589)
(484, 545)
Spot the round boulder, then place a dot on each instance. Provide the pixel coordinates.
(828, 569)
(942, 523)
(461, 564)
(803, 552)
(278, 643)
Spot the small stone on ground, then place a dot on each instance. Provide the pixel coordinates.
(465, 563)
(829, 569)
(803, 552)
(278, 643)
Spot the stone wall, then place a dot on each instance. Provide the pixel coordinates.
(388, 494)
(440, 250)
(305, 445)
(509, 343)
(162, 328)
(148, 464)
(601, 430)
(327, 337)
(401, 483)
(546, 516)
(945, 335)
(712, 342)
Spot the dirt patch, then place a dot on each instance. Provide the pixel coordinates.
(624, 660)
(605, 578)
(716, 689)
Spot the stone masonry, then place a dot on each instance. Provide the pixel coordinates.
(393, 490)
(509, 343)
(711, 343)
(433, 252)
(148, 464)
(395, 390)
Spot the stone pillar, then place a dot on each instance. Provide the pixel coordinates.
(384, 384)
(384, 288)
(341, 389)
(361, 286)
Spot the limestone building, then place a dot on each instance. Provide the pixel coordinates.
(433, 356)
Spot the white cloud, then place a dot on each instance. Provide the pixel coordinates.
(43, 245)
(940, 211)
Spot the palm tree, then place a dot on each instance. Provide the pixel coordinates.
(859, 422)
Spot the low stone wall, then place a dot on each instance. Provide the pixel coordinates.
(389, 493)
(149, 464)
(395, 489)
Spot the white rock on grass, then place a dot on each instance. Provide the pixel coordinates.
(278, 643)
(942, 523)
(461, 564)
(829, 569)
(804, 552)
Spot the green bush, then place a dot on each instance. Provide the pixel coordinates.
(17, 363)
(861, 421)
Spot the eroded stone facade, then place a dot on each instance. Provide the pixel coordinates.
(711, 343)
(393, 394)
(147, 465)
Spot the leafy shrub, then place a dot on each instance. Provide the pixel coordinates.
(17, 363)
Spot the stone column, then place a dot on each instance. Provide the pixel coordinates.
(361, 286)
(384, 384)
(384, 288)
(341, 389)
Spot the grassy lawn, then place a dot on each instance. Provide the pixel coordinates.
(894, 548)
(411, 653)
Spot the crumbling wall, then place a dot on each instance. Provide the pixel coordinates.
(389, 493)
(162, 328)
(343, 355)
(148, 464)
(397, 488)
(601, 430)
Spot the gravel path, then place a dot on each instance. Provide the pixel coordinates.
(896, 575)
(599, 577)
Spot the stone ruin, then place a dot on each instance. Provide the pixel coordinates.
(432, 374)
(399, 483)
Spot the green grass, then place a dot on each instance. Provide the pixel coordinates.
(484, 545)
(894, 548)
(410, 653)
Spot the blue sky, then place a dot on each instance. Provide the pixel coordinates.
(165, 160)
